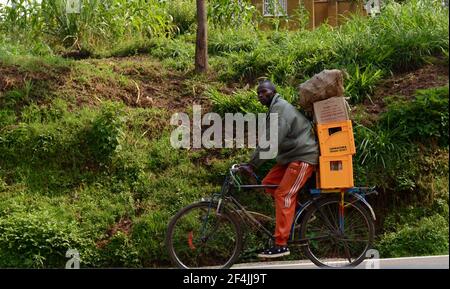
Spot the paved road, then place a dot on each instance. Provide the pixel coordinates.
(426, 262)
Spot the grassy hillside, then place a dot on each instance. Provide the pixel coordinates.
(85, 157)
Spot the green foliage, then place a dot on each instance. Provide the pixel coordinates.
(177, 53)
(7, 117)
(427, 236)
(183, 14)
(240, 101)
(100, 23)
(362, 83)
(50, 142)
(148, 235)
(40, 239)
(376, 147)
(301, 16)
(389, 149)
(222, 41)
(162, 155)
(120, 251)
(385, 161)
(104, 139)
(230, 13)
(16, 97)
(424, 119)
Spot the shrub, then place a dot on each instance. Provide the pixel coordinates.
(424, 119)
(120, 251)
(429, 236)
(41, 239)
(105, 137)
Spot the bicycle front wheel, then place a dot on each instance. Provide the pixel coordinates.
(338, 236)
(198, 236)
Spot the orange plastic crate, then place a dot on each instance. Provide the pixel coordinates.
(336, 138)
(335, 172)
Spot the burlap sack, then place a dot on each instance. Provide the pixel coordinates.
(326, 84)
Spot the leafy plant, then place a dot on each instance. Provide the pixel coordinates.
(30, 240)
(105, 137)
(241, 101)
(232, 13)
(223, 41)
(361, 84)
(376, 146)
(423, 119)
(183, 14)
(429, 236)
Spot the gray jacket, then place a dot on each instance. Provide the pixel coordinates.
(296, 139)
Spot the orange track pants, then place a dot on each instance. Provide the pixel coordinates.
(290, 179)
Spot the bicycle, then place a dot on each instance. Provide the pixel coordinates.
(335, 230)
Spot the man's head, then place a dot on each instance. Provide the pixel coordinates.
(266, 90)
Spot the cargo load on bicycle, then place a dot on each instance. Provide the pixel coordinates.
(323, 95)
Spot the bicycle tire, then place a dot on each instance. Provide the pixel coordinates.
(312, 248)
(188, 246)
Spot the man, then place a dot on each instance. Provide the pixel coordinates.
(298, 153)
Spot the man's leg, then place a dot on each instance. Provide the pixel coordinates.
(295, 176)
(293, 180)
(274, 177)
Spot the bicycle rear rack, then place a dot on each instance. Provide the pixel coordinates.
(359, 193)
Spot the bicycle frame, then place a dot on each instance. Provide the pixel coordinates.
(232, 182)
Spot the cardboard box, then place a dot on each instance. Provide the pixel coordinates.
(333, 109)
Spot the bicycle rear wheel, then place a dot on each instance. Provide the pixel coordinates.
(198, 236)
(336, 241)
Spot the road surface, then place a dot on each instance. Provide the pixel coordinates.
(425, 262)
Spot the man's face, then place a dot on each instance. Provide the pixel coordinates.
(265, 95)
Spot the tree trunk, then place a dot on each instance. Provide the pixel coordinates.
(201, 49)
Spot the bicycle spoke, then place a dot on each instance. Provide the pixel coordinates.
(202, 238)
(342, 248)
(334, 217)
(347, 252)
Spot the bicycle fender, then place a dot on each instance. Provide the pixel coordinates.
(301, 211)
(364, 201)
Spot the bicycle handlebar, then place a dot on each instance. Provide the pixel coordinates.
(236, 168)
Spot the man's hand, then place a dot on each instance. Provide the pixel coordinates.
(247, 169)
